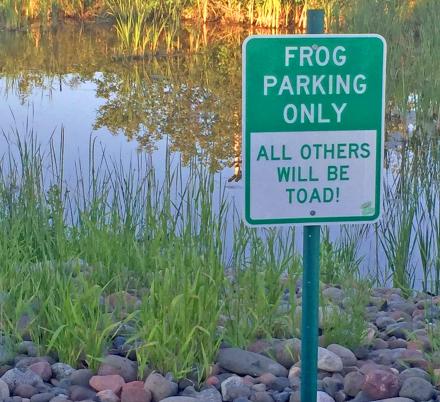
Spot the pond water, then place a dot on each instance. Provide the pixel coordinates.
(71, 81)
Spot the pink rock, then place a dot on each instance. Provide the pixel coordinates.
(213, 380)
(113, 382)
(43, 369)
(266, 378)
(381, 384)
(134, 392)
(107, 396)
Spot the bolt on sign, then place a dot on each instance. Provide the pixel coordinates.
(313, 128)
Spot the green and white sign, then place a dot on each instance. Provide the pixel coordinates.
(313, 128)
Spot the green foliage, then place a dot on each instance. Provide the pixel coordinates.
(347, 325)
(257, 283)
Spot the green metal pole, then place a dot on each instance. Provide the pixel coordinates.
(310, 289)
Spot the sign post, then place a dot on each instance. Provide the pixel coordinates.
(313, 137)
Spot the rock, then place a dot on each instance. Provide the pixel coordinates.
(417, 388)
(43, 369)
(160, 387)
(413, 372)
(287, 352)
(262, 397)
(113, 364)
(25, 390)
(81, 377)
(15, 376)
(180, 399)
(6, 352)
(397, 399)
(329, 361)
(234, 387)
(113, 382)
(323, 397)
(280, 397)
(335, 295)
(383, 321)
(135, 392)
(61, 370)
(107, 395)
(4, 390)
(248, 363)
(347, 356)
(381, 384)
(28, 348)
(209, 395)
(353, 383)
(399, 329)
(43, 397)
(332, 385)
(80, 393)
(60, 399)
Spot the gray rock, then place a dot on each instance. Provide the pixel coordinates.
(413, 372)
(287, 352)
(4, 390)
(27, 347)
(81, 377)
(234, 387)
(399, 329)
(25, 390)
(262, 397)
(383, 321)
(323, 397)
(279, 384)
(281, 396)
(353, 383)
(6, 351)
(347, 356)
(79, 393)
(361, 397)
(180, 399)
(61, 370)
(160, 387)
(43, 397)
(113, 364)
(329, 361)
(333, 294)
(243, 362)
(417, 388)
(332, 385)
(15, 376)
(60, 398)
(396, 399)
(209, 395)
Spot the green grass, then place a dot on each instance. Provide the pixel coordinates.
(65, 249)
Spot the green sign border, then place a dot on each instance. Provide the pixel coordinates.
(304, 221)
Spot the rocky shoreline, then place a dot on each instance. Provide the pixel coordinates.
(398, 363)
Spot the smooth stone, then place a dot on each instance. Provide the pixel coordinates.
(381, 384)
(335, 295)
(113, 382)
(209, 395)
(281, 396)
(353, 383)
(4, 390)
(399, 329)
(79, 393)
(347, 356)
(160, 387)
(25, 390)
(43, 397)
(60, 399)
(242, 362)
(113, 364)
(417, 388)
(15, 376)
(234, 387)
(81, 377)
(262, 397)
(413, 372)
(332, 385)
(43, 369)
(107, 395)
(383, 321)
(329, 361)
(323, 397)
(279, 384)
(397, 399)
(180, 399)
(61, 370)
(287, 352)
(134, 392)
